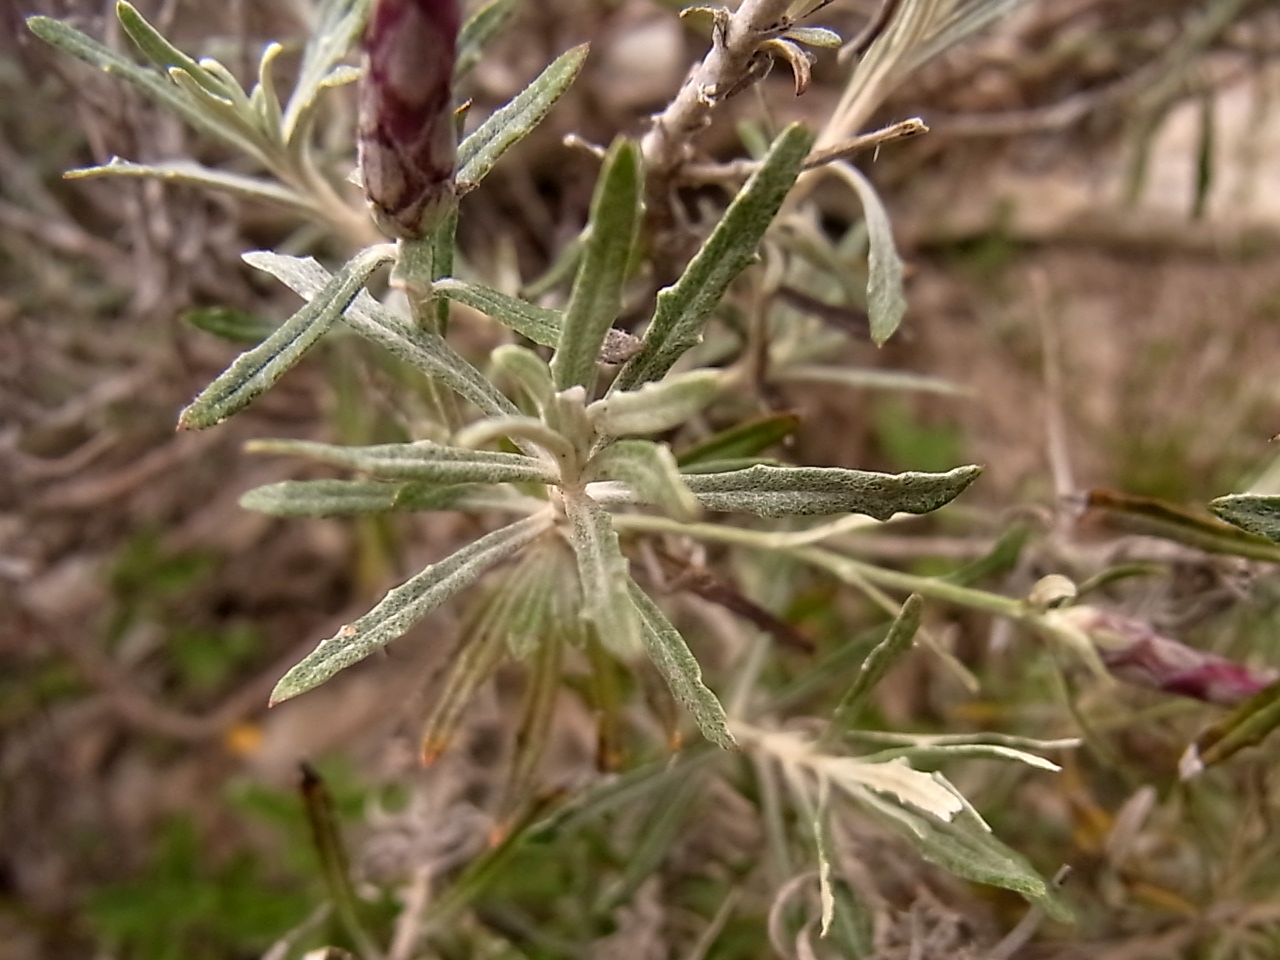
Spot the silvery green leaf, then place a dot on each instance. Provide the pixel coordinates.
(1257, 514)
(338, 498)
(869, 379)
(596, 300)
(678, 666)
(527, 369)
(508, 125)
(408, 603)
(940, 753)
(264, 99)
(336, 29)
(477, 31)
(422, 349)
(897, 778)
(227, 81)
(603, 572)
(886, 303)
(155, 85)
(539, 324)
(193, 174)
(257, 369)
(650, 470)
(683, 308)
(886, 653)
(421, 460)
(814, 37)
(967, 849)
(164, 55)
(770, 491)
(655, 407)
(517, 428)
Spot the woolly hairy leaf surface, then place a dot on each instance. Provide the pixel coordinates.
(683, 308)
(596, 300)
(478, 153)
(678, 666)
(769, 491)
(338, 498)
(421, 460)
(604, 574)
(408, 603)
(422, 349)
(257, 369)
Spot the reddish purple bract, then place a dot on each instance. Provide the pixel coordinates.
(1135, 653)
(408, 140)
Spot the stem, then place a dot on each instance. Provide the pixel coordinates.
(842, 567)
(333, 861)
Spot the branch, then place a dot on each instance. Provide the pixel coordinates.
(736, 37)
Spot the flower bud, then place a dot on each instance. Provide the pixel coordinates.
(1135, 653)
(408, 138)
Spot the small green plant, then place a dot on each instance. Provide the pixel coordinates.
(578, 434)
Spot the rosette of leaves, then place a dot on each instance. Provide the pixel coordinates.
(572, 453)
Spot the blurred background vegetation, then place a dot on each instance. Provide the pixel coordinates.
(1092, 231)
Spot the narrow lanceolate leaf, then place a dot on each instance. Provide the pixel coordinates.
(678, 666)
(655, 407)
(510, 124)
(743, 440)
(539, 324)
(683, 308)
(1256, 514)
(153, 84)
(542, 325)
(340, 498)
(479, 28)
(1153, 517)
(421, 460)
(967, 849)
(878, 662)
(408, 603)
(886, 303)
(334, 33)
(257, 369)
(603, 571)
(814, 491)
(527, 369)
(1246, 726)
(164, 54)
(193, 174)
(422, 349)
(596, 300)
(650, 471)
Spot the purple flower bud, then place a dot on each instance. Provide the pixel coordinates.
(408, 139)
(1135, 653)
